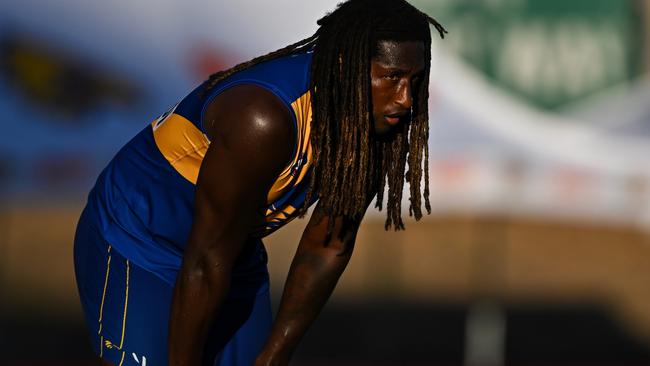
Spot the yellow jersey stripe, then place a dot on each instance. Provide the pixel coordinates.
(101, 307)
(182, 144)
(126, 303)
(302, 109)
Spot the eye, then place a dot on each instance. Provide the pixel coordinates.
(393, 76)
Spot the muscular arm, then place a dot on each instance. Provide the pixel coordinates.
(252, 137)
(315, 270)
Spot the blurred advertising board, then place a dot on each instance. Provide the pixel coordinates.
(549, 52)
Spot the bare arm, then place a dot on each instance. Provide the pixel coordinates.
(252, 138)
(315, 270)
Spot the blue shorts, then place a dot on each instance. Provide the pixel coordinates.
(127, 309)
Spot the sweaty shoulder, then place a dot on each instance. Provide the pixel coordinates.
(251, 116)
(251, 128)
(247, 108)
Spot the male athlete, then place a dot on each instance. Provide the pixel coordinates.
(169, 260)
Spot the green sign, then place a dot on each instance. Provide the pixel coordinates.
(551, 52)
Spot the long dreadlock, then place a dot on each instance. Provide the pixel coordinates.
(349, 165)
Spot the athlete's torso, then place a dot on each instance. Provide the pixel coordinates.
(144, 199)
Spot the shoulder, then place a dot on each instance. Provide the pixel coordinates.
(249, 112)
(252, 138)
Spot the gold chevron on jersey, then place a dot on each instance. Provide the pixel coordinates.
(181, 143)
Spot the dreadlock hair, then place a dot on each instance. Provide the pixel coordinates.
(349, 165)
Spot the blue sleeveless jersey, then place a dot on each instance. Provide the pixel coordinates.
(144, 199)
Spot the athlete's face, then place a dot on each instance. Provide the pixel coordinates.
(395, 72)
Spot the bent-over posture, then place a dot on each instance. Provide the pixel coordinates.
(169, 258)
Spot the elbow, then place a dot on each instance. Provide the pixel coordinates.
(333, 246)
(334, 250)
(339, 244)
(343, 248)
(337, 236)
(208, 268)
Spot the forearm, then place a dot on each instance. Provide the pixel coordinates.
(314, 272)
(198, 294)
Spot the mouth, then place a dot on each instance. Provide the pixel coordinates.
(394, 118)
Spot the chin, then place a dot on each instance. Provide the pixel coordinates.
(381, 128)
(386, 134)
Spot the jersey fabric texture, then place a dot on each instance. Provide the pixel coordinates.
(144, 199)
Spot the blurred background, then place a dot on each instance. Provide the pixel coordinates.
(538, 248)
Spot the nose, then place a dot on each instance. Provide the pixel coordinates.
(404, 95)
